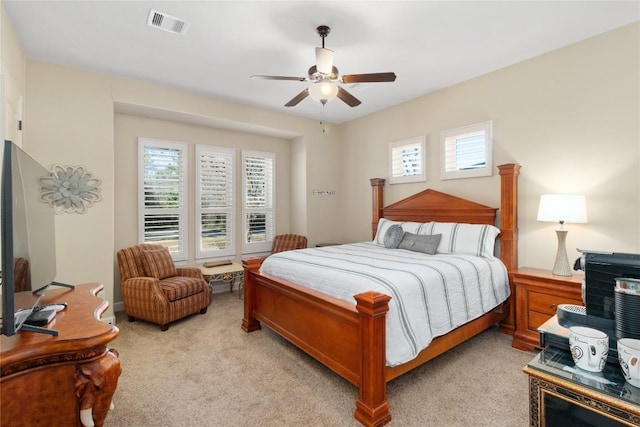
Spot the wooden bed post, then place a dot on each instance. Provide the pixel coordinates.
(372, 407)
(509, 232)
(377, 188)
(249, 323)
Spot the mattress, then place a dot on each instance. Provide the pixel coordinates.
(430, 294)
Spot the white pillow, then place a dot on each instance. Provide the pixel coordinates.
(411, 227)
(407, 227)
(458, 238)
(383, 226)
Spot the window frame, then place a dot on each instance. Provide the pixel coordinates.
(269, 210)
(182, 253)
(230, 236)
(396, 146)
(450, 136)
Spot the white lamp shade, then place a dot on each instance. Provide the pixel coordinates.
(323, 91)
(570, 208)
(324, 60)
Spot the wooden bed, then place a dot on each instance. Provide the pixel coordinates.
(350, 339)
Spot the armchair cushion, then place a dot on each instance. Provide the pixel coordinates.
(178, 287)
(158, 263)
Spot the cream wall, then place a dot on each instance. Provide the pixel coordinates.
(314, 151)
(12, 70)
(128, 128)
(570, 118)
(71, 120)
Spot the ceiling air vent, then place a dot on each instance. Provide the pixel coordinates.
(166, 22)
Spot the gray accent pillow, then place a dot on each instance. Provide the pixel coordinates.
(393, 236)
(420, 243)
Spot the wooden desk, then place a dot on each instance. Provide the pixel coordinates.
(57, 380)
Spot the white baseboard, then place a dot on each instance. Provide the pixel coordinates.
(118, 306)
(111, 320)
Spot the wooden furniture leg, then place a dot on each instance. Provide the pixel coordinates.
(372, 407)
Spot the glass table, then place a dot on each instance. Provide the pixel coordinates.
(560, 394)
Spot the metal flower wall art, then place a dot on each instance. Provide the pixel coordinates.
(69, 189)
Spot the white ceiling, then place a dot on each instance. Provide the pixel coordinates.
(428, 44)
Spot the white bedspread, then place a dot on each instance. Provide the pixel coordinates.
(431, 294)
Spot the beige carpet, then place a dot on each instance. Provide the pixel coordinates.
(205, 371)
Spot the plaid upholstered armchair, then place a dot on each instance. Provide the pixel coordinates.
(288, 242)
(153, 289)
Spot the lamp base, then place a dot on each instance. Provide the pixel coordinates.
(561, 266)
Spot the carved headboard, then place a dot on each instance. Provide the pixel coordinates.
(432, 205)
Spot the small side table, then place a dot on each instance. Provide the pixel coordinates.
(230, 274)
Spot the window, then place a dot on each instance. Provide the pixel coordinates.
(258, 195)
(406, 160)
(467, 151)
(215, 201)
(162, 195)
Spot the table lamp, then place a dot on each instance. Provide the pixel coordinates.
(562, 208)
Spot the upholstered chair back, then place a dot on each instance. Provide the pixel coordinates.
(130, 260)
(288, 242)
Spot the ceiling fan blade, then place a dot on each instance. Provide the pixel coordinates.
(297, 79)
(324, 60)
(349, 99)
(296, 99)
(369, 78)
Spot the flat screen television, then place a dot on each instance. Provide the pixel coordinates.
(27, 230)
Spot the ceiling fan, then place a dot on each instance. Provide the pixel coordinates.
(324, 76)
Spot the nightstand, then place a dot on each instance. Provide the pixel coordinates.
(538, 294)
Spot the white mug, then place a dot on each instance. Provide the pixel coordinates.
(629, 358)
(589, 348)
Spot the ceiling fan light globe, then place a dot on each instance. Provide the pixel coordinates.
(323, 91)
(324, 60)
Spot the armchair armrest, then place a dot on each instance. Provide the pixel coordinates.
(141, 282)
(142, 289)
(190, 272)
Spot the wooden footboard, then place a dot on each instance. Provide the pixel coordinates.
(348, 339)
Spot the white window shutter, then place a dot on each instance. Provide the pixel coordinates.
(467, 151)
(258, 189)
(162, 195)
(407, 160)
(215, 218)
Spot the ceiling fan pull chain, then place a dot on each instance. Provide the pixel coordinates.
(322, 118)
